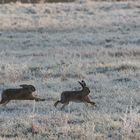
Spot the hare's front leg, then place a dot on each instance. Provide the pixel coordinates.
(38, 99)
(88, 101)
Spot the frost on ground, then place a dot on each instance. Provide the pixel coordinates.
(52, 46)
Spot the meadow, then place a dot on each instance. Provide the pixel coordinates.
(52, 46)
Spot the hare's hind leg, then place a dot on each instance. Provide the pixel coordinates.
(57, 103)
(64, 105)
(4, 101)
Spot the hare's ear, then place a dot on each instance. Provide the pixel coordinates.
(29, 87)
(24, 86)
(84, 83)
(81, 84)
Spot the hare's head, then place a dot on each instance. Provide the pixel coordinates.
(29, 87)
(87, 90)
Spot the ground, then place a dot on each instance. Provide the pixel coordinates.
(52, 46)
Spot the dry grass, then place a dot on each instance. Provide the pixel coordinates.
(52, 46)
(53, 1)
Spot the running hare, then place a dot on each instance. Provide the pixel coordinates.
(75, 96)
(23, 93)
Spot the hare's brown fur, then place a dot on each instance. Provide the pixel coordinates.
(23, 93)
(75, 96)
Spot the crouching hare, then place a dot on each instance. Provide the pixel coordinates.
(75, 96)
(23, 93)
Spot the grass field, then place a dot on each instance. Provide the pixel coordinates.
(52, 46)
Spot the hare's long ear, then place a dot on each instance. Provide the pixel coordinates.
(24, 86)
(29, 87)
(81, 84)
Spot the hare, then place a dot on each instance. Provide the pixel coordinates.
(75, 96)
(23, 93)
